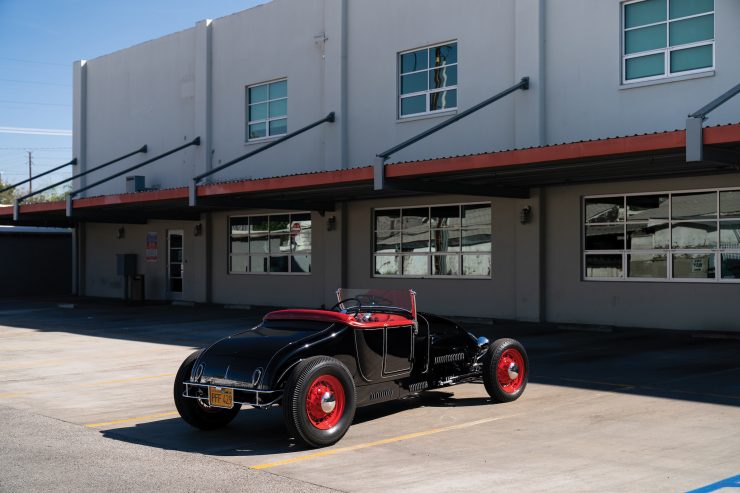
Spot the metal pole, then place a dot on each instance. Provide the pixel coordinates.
(192, 192)
(30, 173)
(141, 149)
(715, 103)
(74, 161)
(382, 157)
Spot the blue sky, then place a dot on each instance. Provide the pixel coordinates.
(39, 40)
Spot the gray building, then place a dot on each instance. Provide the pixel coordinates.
(583, 196)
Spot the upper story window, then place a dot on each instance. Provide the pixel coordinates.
(427, 80)
(663, 38)
(267, 110)
(270, 244)
(451, 241)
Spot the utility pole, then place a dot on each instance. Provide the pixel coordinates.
(30, 172)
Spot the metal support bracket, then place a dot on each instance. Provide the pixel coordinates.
(379, 173)
(694, 139)
(68, 208)
(382, 157)
(695, 121)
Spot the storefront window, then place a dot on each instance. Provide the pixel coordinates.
(690, 235)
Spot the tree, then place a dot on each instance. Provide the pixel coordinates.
(53, 195)
(8, 196)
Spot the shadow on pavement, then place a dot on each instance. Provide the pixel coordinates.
(669, 364)
(258, 431)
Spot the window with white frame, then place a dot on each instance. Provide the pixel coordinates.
(437, 241)
(267, 110)
(663, 38)
(670, 236)
(427, 80)
(268, 244)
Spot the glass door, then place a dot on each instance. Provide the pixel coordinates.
(175, 265)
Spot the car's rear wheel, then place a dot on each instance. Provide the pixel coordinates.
(319, 401)
(195, 412)
(505, 370)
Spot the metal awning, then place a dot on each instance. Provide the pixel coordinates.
(503, 173)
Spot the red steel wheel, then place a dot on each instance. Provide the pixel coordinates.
(505, 370)
(325, 402)
(510, 370)
(319, 401)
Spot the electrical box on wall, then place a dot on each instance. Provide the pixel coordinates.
(135, 183)
(126, 264)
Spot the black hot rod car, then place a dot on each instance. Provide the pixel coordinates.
(320, 365)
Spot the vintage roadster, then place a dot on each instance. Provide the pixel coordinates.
(320, 365)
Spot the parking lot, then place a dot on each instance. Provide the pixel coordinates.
(622, 410)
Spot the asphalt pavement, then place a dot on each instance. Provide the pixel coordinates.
(86, 405)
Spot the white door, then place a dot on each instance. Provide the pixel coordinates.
(175, 262)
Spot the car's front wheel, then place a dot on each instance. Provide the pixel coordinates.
(195, 412)
(505, 370)
(319, 401)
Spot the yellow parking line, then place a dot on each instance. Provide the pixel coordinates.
(128, 420)
(385, 441)
(125, 380)
(10, 395)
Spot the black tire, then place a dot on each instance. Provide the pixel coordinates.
(295, 412)
(192, 410)
(510, 389)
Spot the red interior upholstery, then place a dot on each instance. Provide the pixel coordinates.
(377, 319)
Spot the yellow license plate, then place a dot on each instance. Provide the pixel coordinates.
(218, 397)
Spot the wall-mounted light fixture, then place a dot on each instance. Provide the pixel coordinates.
(198, 229)
(120, 233)
(525, 216)
(331, 223)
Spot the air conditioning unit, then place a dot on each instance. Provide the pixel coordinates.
(135, 183)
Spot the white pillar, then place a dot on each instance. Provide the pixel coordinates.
(79, 120)
(203, 95)
(529, 60)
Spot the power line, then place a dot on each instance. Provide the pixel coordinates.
(32, 102)
(35, 82)
(32, 148)
(34, 62)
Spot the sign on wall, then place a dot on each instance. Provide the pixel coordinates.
(151, 247)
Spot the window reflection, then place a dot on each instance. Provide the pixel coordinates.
(647, 236)
(609, 265)
(697, 234)
(693, 265)
(731, 265)
(604, 209)
(446, 265)
(445, 217)
(270, 243)
(605, 237)
(649, 265)
(446, 230)
(729, 203)
(647, 207)
(729, 236)
(387, 265)
(415, 265)
(476, 265)
(694, 205)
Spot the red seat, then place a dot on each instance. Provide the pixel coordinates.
(377, 320)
